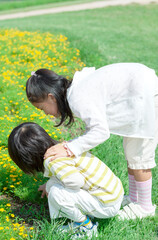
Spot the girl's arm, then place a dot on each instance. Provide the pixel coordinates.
(97, 131)
(87, 101)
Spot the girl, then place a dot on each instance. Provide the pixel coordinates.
(119, 99)
(77, 186)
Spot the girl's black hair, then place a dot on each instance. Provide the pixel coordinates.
(45, 81)
(27, 145)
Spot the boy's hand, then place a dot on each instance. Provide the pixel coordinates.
(43, 189)
(56, 151)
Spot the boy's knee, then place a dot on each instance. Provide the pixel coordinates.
(55, 194)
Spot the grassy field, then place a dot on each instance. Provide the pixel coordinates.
(26, 5)
(12, 4)
(103, 36)
(113, 34)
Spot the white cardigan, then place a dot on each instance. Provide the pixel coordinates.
(116, 99)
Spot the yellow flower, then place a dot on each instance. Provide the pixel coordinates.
(2, 210)
(25, 235)
(26, 52)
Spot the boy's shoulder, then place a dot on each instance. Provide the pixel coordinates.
(86, 156)
(71, 161)
(58, 161)
(58, 164)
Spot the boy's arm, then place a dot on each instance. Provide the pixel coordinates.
(42, 188)
(74, 181)
(65, 171)
(51, 182)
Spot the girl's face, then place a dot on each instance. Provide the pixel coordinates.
(49, 106)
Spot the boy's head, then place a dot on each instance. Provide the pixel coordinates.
(27, 145)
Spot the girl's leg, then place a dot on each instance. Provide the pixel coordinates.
(140, 155)
(143, 183)
(132, 186)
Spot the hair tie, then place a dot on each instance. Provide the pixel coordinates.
(33, 74)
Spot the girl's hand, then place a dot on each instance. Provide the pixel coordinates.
(42, 188)
(56, 151)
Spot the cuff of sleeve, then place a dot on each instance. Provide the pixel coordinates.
(77, 151)
(48, 185)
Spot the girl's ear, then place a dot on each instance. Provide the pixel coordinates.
(51, 96)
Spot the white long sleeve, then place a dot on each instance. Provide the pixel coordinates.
(97, 129)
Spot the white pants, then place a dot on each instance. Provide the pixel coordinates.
(140, 152)
(75, 205)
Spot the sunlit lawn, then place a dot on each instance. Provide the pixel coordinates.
(25, 52)
(103, 36)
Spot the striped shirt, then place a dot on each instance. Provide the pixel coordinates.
(86, 172)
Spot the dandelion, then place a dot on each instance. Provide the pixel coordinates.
(2, 210)
(26, 52)
(8, 204)
(7, 219)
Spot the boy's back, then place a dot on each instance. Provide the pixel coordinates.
(86, 172)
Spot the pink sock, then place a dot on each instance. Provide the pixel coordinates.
(132, 188)
(144, 194)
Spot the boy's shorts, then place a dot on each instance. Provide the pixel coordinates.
(140, 152)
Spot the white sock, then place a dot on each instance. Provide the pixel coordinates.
(144, 194)
(132, 188)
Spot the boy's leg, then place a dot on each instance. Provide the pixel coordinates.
(75, 205)
(62, 205)
(69, 203)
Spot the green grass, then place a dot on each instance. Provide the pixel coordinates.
(26, 51)
(9, 6)
(12, 4)
(103, 36)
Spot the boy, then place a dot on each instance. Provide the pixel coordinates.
(78, 187)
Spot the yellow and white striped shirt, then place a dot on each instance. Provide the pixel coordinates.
(86, 172)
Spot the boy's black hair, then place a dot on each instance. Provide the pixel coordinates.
(45, 81)
(27, 145)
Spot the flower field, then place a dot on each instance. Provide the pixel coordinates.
(20, 54)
